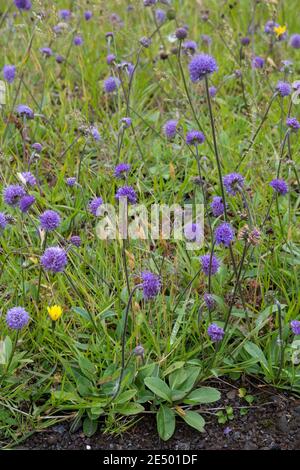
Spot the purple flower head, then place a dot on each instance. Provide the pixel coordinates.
(148, 3)
(245, 41)
(110, 58)
(279, 186)
(160, 16)
(24, 110)
(215, 332)
(64, 14)
(295, 326)
(121, 169)
(207, 40)
(194, 138)
(28, 178)
(209, 301)
(193, 232)
(95, 204)
(23, 4)
(111, 84)
(26, 202)
(269, 27)
(59, 59)
(238, 73)
(126, 122)
(212, 91)
(3, 221)
(54, 259)
(209, 265)
(17, 318)
(200, 66)
(95, 133)
(128, 192)
(293, 123)
(88, 15)
(170, 128)
(189, 46)
(151, 284)
(181, 33)
(71, 181)
(109, 35)
(139, 350)
(77, 41)
(258, 62)
(284, 88)
(295, 41)
(37, 147)
(224, 234)
(145, 42)
(75, 240)
(296, 85)
(233, 182)
(217, 206)
(50, 220)
(9, 73)
(46, 51)
(12, 194)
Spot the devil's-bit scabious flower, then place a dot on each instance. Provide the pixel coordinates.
(88, 15)
(215, 332)
(148, 3)
(212, 91)
(200, 66)
(77, 41)
(293, 123)
(151, 284)
(55, 312)
(23, 4)
(9, 73)
(64, 14)
(194, 138)
(283, 88)
(209, 263)
(75, 240)
(54, 259)
(24, 110)
(139, 350)
(3, 221)
(224, 234)
(46, 51)
(207, 40)
(128, 192)
(126, 122)
(209, 301)
(28, 178)
(71, 181)
(233, 182)
(110, 58)
(181, 33)
(59, 59)
(189, 46)
(37, 147)
(17, 318)
(95, 133)
(26, 202)
(121, 169)
(160, 15)
(295, 41)
(50, 220)
(258, 62)
(217, 206)
(111, 84)
(295, 326)
(145, 42)
(245, 41)
(170, 128)
(269, 26)
(279, 186)
(193, 232)
(95, 204)
(12, 194)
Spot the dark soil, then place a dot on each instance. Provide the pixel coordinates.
(272, 422)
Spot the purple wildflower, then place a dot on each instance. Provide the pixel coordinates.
(121, 169)
(54, 259)
(233, 182)
(148, 3)
(75, 240)
(139, 350)
(111, 84)
(9, 73)
(77, 41)
(284, 88)
(295, 41)
(279, 186)
(145, 42)
(181, 33)
(193, 232)
(206, 39)
(71, 181)
(88, 15)
(28, 178)
(37, 147)
(202, 65)
(215, 332)
(95, 204)
(17, 318)
(189, 46)
(95, 133)
(24, 110)
(151, 284)
(12, 194)
(217, 206)
(3, 221)
(59, 59)
(295, 326)
(110, 58)
(50, 220)
(46, 51)
(224, 234)
(269, 27)
(160, 15)
(293, 123)
(23, 4)
(194, 138)
(245, 41)
(208, 264)
(128, 192)
(26, 202)
(209, 301)
(170, 128)
(258, 62)
(64, 14)
(212, 91)
(126, 122)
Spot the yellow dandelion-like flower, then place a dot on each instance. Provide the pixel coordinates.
(55, 312)
(279, 30)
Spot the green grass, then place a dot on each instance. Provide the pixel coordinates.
(71, 372)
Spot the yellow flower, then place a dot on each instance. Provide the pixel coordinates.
(55, 312)
(279, 30)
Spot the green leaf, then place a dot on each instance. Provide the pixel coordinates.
(256, 353)
(125, 396)
(159, 387)
(129, 409)
(173, 367)
(203, 395)
(83, 313)
(89, 426)
(165, 420)
(95, 412)
(177, 378)
(87, 367)
(192, 376)
(194, 419)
